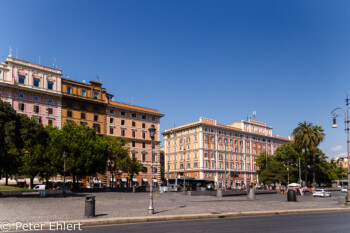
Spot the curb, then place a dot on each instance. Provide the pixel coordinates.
(125, 220)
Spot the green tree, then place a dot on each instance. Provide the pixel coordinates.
(10, 141)
(272, 173)
(86, 151)
(35, 139)
(316, 138)
(303, 139)
(133, 167)
(289, 154)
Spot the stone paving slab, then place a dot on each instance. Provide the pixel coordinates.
(117, 204)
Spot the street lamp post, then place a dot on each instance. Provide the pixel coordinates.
(346, 121)
(184, 191)
(64, 172)
(225, 166)
(152, 132)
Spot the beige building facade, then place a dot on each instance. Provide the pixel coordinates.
(132, 123)
(210, 151)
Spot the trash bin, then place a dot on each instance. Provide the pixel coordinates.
(42, 193)
(292, 195)
(90, 206)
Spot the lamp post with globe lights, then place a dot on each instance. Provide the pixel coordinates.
(152, 132)
(347, 129)
(64, 172)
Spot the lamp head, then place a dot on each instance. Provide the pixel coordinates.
(334, 123)
(152, 131)
(64, 155)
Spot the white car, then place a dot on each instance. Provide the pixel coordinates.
(321, 193)
(344, 189)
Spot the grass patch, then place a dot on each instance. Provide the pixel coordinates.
(11, 188)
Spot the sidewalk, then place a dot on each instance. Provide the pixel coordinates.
(132, 206)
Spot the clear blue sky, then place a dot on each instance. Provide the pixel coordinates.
(287, 60)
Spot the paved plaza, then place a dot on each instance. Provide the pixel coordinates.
(118, 204)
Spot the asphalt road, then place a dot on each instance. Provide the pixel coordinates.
(337, 222)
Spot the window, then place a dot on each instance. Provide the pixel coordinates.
(153, 119)
(206, 155)
(96, 95)
(82, 115)
(133, 115)
(133, 124)
(36, 98)
(69, 114)
(50, 101)
(133, 155)
(143, 145)
(83, 93)
(133, 133)
(195, 155)
(21, 95)
(97, 128)
(111, 130)
(69, 90)
(111, 120)
(143, 135)
(111, 111)
(36, 82)
(21, 106)
(50, 85)
(143, 125)
(21, 79)
(123, 132)
(50, 122)
(144, 117)
(122, 122)
(188, 165)
(37, 119)
(212, 164)
(36, 109)
(122, 113)
(206, 165)
(195, 164)
(50, 111)
(95, 117)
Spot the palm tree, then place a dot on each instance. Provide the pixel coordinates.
(303, 138)
(317, 137)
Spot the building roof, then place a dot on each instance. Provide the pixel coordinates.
(33, 65)
(133, 107)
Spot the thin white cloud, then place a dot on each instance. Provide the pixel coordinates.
(343, 155)
(337, 148)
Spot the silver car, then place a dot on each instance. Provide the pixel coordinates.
(344, 189)
(321, 193)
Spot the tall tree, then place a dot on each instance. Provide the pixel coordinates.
(133, 167)
(35, 139)
(10, 141)
(303, 134)
(317, 137)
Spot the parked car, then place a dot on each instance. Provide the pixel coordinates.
(344, 189)
(39, 187)
(321, 193)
